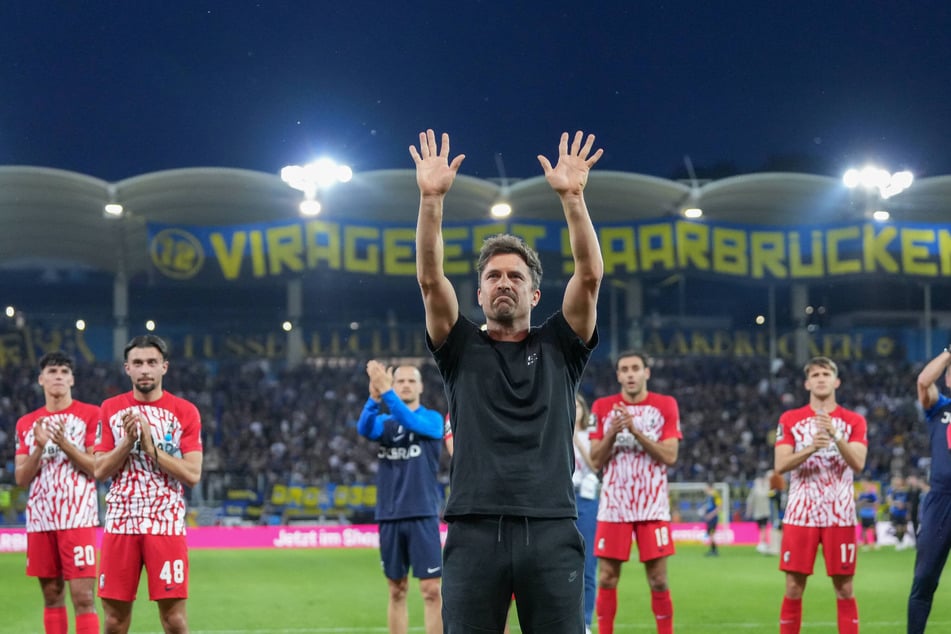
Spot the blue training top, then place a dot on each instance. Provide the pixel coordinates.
(410, 443)
(938, 418)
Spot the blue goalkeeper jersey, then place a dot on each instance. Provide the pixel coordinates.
(410, 444)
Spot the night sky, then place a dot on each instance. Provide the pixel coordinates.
(127, 88)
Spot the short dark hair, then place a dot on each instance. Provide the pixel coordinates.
(56, 359)
(146, 341)
(820, 362)
(640, 354)
(507, 243)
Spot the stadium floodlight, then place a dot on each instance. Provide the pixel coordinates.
(112, 209)
(693, 213)
(287, 326)
(80, 324)
(880, 215)
(501, 209)
(310, 207)
(873, 178)
(10, 312)
(313, 177)
(150, 325)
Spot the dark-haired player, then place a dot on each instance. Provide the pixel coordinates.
(54, 458)
(637, 436)
(151, 447)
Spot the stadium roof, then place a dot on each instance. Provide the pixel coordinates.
(56, 216)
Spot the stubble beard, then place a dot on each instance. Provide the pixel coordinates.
(633, 394)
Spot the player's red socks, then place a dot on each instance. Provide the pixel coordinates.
(848, 615)
(606, 605)
(790, 616)
(87, 623)
(55, 620)
(663, 609)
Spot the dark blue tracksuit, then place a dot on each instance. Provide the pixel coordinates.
(408, 495)
(934, 536)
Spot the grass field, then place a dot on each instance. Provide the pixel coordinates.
(328, 591)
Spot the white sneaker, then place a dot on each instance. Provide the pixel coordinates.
(587, 630)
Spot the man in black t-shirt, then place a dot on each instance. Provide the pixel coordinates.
(511, 390)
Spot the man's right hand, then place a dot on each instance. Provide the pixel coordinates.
(381, 379)
(434, 173)
(41, 433)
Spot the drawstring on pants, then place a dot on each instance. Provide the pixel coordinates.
(524, 519)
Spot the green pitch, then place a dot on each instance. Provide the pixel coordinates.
(336, 591)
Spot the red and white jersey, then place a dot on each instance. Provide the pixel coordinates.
(821, 492)
(61, 496)
(143, 499)
(634, 485)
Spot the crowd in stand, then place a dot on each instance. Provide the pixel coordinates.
(265, 424)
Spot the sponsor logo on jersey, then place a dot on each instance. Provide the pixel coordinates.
(400, 453)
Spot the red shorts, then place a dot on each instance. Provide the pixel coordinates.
(612, 540)
(165, 558)
(801, 543)
(66, 554)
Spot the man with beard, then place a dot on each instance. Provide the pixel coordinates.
(821, 444)
(150, 446)
(511, 391)
(408, 500)
(636, 438)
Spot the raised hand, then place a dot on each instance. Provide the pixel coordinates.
(132, 424)
(41, 432)
(434, 172)
(57, 433)
(381, 379)
(570, 174)
(821, 440)
(622, 419)
(824, 422)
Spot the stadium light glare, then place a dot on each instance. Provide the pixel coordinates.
(287, 326)
(880, 215)
(760, 320)
(113, 209)
(10, 311)
(501, 209)
(310, 207)
(877, 179)
(693, 213)
(314, 177)
(150, 325)
(80, 324)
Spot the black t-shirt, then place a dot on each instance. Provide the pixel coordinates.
(512, 410)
